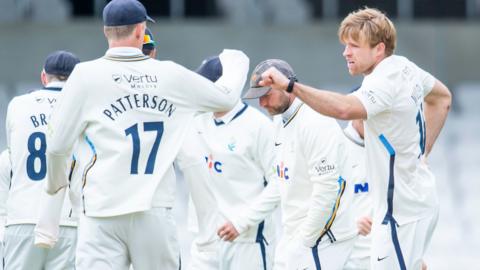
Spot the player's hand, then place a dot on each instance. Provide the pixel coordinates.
(275, 79)
(364, 225)
(227, 232)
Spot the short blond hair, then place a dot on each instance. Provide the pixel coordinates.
(118, 32)
(371, 25)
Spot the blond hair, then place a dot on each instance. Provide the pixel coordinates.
(118, 32)
(371, 25)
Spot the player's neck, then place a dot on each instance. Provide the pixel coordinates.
(219, 114)
(125, 43)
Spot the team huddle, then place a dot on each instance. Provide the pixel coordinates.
(89, 176)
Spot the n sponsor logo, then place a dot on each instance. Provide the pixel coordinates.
(361, 188)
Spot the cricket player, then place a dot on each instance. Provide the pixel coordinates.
(149, 45)
(404, 108)
(136, 112)
(318, 226)
(362, 200)
(191, 164)
(239, 156)
(27, 119)
(5, 176)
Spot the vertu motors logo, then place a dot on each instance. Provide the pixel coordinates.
(117, 78)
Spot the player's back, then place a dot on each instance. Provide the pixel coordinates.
(136, 112)
(27, 119)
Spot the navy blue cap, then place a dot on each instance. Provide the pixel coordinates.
(124, 12)
(211, 68)
(60, 63)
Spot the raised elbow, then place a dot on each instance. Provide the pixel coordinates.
(344, 114)
(447, 102)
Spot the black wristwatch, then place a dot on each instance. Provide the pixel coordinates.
(290, 84)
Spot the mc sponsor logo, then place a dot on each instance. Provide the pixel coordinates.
(282, 171)
(213, 164)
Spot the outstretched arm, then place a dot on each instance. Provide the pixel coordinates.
(345, 107)
(437, 104)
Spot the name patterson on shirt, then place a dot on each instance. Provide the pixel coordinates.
(136, 101)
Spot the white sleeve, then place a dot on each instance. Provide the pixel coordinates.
(192, 151)
(190, 161)
(265, 155)
(428, 81)
(5, 170)
(259, 209)
(223, 95)
(63, 131)
(269, 199)
(50, 211)
(323, 151)
(8, 121)
(376, 95)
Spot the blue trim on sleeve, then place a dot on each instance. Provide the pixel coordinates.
(90, 143)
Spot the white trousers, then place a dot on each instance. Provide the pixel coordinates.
(360, 257)
(203, 258)
(232, 256)
(147, 240)
(244, 255)
(401, 247)
(21, 254)
(291, 254)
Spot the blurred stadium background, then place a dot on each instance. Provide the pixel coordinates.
(442, 36)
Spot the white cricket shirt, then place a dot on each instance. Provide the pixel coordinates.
(310, 157)
(361, 200)
(135, 111)
(27, 118)
(5, 170)
(393, 97)
(240, 161)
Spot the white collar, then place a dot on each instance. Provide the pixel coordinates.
(124, 51)
(55, 84)
(232, 114)
(352, 134)
(288, 115)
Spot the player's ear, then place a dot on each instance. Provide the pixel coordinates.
(380, 49)
(140, 31)
(43, 78)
